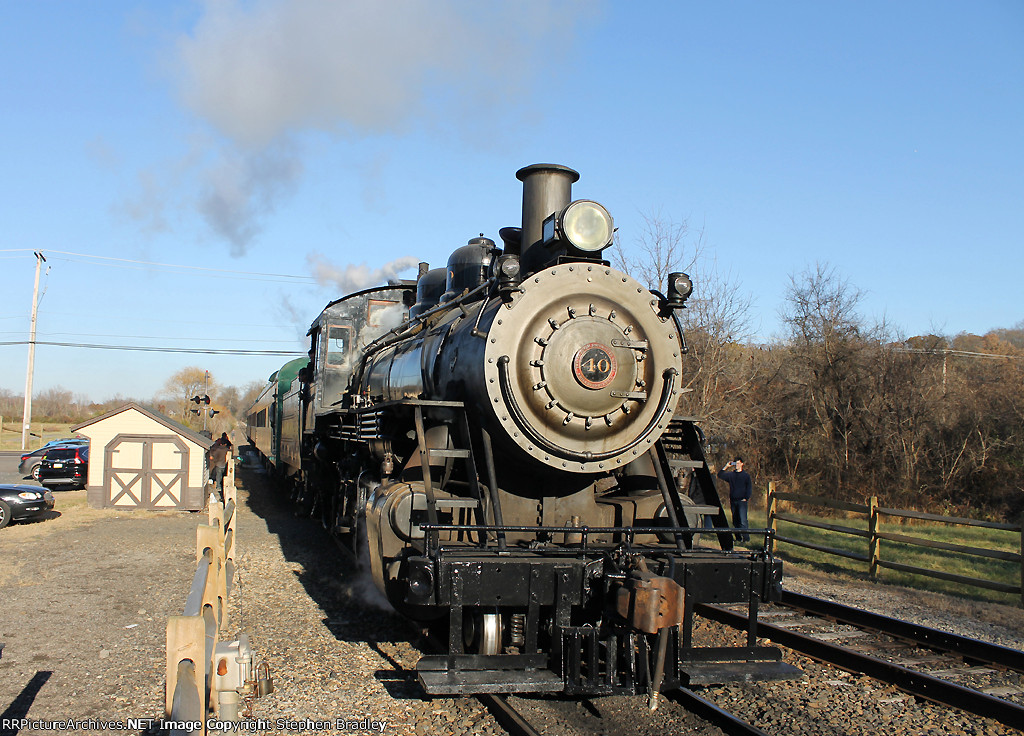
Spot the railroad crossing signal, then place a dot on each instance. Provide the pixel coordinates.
(204, 399)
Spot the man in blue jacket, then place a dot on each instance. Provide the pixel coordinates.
(740, 490)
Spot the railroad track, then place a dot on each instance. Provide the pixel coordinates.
(520, 715)
(884, 648)
(681, 711)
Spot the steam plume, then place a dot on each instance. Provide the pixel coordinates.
(261, 73)
(356, 276)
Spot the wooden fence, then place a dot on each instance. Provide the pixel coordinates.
(873, 537)
(192, 637)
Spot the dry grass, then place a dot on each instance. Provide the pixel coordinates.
(40, 434)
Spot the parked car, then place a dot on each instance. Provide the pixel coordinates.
(65, 465)
(23, 502)
(30, 460)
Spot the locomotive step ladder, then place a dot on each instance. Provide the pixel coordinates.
(682, 448)
(476, 502)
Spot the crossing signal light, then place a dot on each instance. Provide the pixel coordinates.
(214, 411)
(195, 399)
(206, 399)
(194, 411)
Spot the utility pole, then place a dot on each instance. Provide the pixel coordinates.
(27, 417)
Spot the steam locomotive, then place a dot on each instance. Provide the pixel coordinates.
(497, 441)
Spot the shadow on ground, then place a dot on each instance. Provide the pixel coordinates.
(354, 610)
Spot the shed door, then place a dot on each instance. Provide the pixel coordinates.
(145, 472)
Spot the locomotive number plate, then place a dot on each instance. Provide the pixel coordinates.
(594, 365)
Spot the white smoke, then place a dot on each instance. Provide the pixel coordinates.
(263, 72)
(355, 277)
(257, 70)
(241, 187)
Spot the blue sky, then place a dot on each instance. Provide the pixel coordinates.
(346, 140)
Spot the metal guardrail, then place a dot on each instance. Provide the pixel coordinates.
(192, 637)
(874, 536)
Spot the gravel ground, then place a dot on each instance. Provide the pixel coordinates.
(86, 596)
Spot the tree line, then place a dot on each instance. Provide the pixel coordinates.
(841, 406)
(61, 406)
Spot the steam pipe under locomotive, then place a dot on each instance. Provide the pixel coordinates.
(501, 447)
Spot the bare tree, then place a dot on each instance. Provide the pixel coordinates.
(826, 340)
(56, 404)
(715, 321)
(663, 245)
(181, 387)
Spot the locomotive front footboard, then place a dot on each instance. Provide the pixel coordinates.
(588, 621)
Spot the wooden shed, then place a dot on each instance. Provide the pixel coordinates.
(140, 459)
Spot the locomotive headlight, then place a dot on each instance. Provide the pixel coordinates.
(585, 225)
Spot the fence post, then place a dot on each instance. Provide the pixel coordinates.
(215, 595)
(186, 637)
(231, 499)
(1022, 560)
(874, 543)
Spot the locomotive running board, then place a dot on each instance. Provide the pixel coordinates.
(472, 675)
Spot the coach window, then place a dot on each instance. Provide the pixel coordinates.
(339, 339)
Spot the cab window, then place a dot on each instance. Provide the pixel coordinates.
(377, 310)
(339, 343)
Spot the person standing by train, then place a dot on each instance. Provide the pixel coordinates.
(740, 490)
(223, 440)
(218, 455)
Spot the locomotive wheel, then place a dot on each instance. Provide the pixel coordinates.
(482, 632)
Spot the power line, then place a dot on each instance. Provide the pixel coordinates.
(148, 349)
(156, 320)
(950, 351)
(132, 263)
(151, 337)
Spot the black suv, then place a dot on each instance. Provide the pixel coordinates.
(65, 466)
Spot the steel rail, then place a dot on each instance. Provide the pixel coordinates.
(972, 649)
(497, 705)
(507, 717)
(910, 681)
(711, 713)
